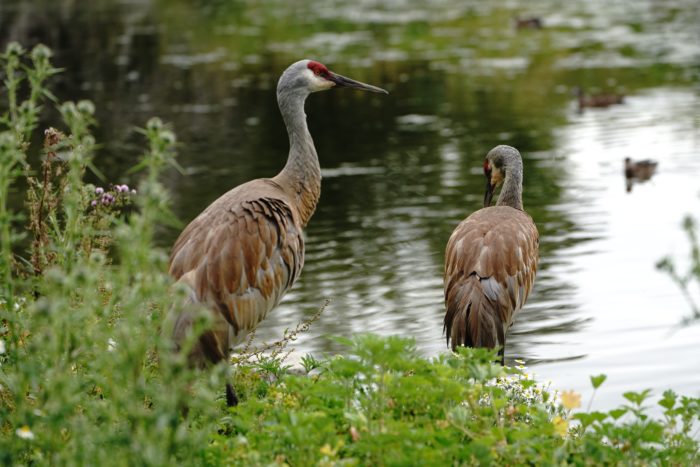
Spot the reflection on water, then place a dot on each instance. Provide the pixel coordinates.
(634, 310)
(401, 171)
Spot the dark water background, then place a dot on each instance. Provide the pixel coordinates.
(400, 171)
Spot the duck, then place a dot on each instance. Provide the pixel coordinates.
(638, 171)
(531, 22)
(597, 100)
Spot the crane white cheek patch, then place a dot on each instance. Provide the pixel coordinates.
(318, 83)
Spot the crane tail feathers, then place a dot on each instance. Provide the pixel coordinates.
(472, 319)
(211, 347)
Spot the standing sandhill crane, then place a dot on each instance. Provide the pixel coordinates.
(491, 260)
(244, 251)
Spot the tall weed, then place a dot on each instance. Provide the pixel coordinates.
(85, 376)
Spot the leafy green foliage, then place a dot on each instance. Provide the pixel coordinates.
(88, 377)
(85, 376)
(384, 404)
(685, 280)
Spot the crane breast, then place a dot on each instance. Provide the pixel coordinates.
(490, 266)
(242, 258)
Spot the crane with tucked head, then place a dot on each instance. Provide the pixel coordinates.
(246, 250)
(491, 260)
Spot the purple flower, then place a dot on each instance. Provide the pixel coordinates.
(93, 203)
(99, 190)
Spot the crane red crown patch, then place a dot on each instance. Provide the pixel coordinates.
(317, 68)
(487, 167)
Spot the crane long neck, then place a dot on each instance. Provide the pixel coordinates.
(512, 191)
(301, 176)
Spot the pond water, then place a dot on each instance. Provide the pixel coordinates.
(400, 171)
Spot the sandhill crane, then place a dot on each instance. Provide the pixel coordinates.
(244, 251)
(491, 260)
(638, 171)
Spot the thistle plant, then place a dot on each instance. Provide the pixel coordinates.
(80, 340)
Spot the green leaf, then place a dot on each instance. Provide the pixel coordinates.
(617, 413)
(588, 418)
(636, 398)
(597, 381)
(669, 400)
(527, 383)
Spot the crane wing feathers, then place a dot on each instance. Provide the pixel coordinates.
(241, 260)
(490, 266)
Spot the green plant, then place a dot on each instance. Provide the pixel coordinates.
(310, 363)
(85, 375)
(384, 404)
(19, 121)
(692, 275)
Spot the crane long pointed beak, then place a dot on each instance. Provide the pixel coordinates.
(343, 81)
(489, 193)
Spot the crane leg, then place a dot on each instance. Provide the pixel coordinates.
(502, 354)
(212, 348)
(231, 398)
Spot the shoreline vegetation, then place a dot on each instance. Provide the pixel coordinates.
(87, 378)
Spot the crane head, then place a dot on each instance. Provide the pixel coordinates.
(322, 78)
(499, 160)
(312, 76)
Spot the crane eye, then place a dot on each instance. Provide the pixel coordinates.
(318, 69)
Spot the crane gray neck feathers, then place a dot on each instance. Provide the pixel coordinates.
(301, 176)
(512, 167)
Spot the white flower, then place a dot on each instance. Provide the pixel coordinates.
(2, 347)
(111, 345)
(25, 433)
